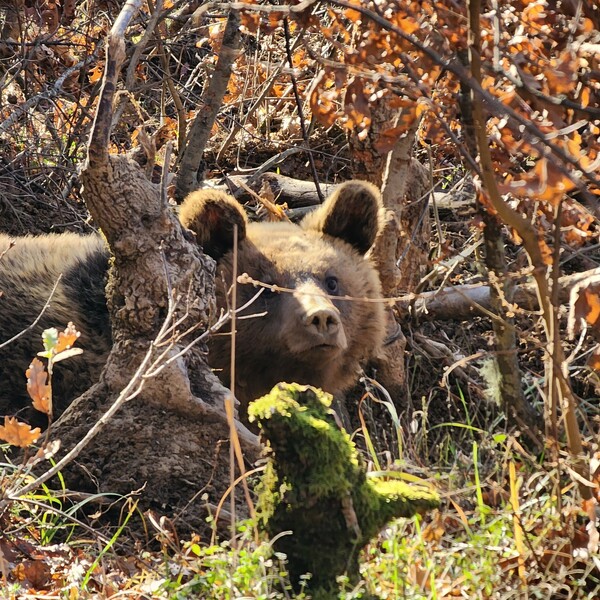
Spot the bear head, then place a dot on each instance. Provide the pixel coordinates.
(322, 316)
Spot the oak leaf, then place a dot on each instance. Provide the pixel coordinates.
(18, 434)
(544, 182)
(37, 388)
(584, 304)
(67, 338)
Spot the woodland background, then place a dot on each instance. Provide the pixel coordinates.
(481, 123)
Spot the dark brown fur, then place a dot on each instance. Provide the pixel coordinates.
(28, 272)
(310, 335)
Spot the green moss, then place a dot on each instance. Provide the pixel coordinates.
(316, 487)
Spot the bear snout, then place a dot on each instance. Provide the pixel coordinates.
(319, 321)
(324, 323)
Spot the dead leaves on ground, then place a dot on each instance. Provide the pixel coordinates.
(56, 570)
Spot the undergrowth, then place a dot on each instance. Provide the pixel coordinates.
(506, 530)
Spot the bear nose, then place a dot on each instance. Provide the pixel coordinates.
(318, 316)
(324, 320)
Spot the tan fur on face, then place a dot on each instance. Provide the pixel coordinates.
(329, 242)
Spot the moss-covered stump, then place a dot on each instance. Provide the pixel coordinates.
(316, 487)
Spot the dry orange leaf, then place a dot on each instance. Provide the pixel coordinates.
(95, 74)
(356, 104)
(250, 21)
(322, 103)
(273, 22)
(67, 338)
(562, 76)
(275, 212)
(35, 574)
(545, 182)
(388, 138)
(17, 433)
(584, 304)
(37, 387)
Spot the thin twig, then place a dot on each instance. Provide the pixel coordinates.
(305, 136)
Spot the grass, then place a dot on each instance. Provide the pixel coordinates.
(508, 531)
(507, 528)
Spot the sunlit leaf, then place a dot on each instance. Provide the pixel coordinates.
(584, 305)
(66, 338)
(37, 387)
(356, 104)
(50, 339)
(95, 74)
(69, 353)
(546, 182)
(17, 433)
(562, 76)
(250, 21)
(322, 102)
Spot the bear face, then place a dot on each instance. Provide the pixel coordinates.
(325, 321)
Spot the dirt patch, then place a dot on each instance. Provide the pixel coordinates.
(175, 466)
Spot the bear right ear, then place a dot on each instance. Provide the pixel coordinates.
(353, 213)
(211, 215)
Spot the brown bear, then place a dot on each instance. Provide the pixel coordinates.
(318, 323)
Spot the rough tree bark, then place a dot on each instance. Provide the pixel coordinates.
(401, 249)
(171, 437)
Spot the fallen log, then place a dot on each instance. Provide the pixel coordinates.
(465, 301)
(299, 194)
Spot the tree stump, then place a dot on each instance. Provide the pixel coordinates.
(315, 500)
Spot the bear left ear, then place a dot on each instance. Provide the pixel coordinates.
(211, 215)
(352, 213)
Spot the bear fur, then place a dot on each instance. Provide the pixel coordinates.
(28, 273)
(303, 330)
(310, 335)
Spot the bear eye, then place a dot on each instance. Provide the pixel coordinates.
(331, 283)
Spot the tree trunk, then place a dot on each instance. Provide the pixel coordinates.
(211, 102)
(400, 251)
(171, 436)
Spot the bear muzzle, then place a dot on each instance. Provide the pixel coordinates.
(319, 326)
